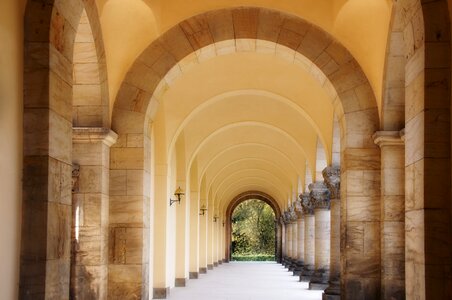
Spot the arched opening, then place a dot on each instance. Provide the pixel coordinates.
(253, 234)
(256, 196)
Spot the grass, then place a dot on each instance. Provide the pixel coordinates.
(252, 257)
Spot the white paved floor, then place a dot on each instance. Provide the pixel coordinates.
(246, 281)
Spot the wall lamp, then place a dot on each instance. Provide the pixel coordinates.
(202, 210)
(215, 218)
(178, 193)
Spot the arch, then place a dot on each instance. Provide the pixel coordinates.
(241, 198)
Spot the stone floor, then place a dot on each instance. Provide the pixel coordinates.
(246, 281)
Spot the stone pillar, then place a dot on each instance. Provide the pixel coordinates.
(278, 242)
(392, 233)
(89, 256)
(293, 224)
(332, 180)
(320, 196)
(300, 239)
(283, 239)
(289, 240)
(309, 236)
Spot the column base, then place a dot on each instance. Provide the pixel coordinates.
(220, 262)
(319, 280)
(202, 270)
(180, 282)
(292, 265)
(331, 297)
(226, 261)
(306, 273)
(209, 267)
(298, 268)
(333, 290)
(193, 275)
(161, 293)
(215, 264)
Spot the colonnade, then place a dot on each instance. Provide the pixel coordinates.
(311, 246)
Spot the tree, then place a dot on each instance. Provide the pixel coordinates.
(253, 229)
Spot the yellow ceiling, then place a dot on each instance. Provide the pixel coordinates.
(360, 25)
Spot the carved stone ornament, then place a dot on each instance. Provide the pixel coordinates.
(292, 214)
(75, 177)
(320, 195)
(306, 203)
(286, 217)
(298, 209)
(332, 176)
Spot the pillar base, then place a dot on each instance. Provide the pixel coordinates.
(180, 282)
(226, 261)
(209, 267)
(333, 289)
(215, 264)
(202, 270)
(161, 293)
(317, 286)
(306, 274)
(193, 275)
(330, 297)
(319, 280)
(220, 262)
(298, 268)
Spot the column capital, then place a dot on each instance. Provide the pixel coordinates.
(319, 195)
(389, 138)
(306, 203)
(94, 135)
(299, 209)
(332, 178)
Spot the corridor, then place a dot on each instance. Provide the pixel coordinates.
(246, 281)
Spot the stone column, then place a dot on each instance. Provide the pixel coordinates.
(289, 240)
(278, 242)
(89, 257)
(283, 239)
(332, 180)
(320, 196)
(300, 239)
(293, 224)
(309, 236)
(392, 233)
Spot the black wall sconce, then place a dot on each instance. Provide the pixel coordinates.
(215, 218)
(178, 193)
(202, 210)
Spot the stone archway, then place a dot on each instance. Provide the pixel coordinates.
(357, 111)
(248, 196)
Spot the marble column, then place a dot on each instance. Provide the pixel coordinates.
(332, 180)
(320, 196)
(309, 236)
(300, 239)
(89, 256)
(392, 228)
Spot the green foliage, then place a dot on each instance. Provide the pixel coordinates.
(253, 231)
(255, 257)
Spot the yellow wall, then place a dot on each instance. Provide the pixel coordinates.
(11, 16)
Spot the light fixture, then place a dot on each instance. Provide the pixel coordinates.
(202, 210)
(215, 218)
(178, 193)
